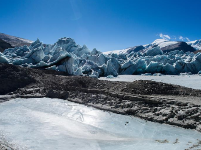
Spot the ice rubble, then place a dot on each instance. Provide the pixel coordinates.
(51, 124)
(65, 55)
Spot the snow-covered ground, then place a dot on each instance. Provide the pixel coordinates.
(51, 124)
(116, 51)
(191, 81)
(164, 44)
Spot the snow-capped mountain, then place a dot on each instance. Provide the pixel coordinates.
(195, 44)
(126, 51)
(14, 41)
(163, 43)
(165, 46)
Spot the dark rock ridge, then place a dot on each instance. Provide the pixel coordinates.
(153, 101)
(178, 46)
(4, 45)
(198, 51)
(14, 41)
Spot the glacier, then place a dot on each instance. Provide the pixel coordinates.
(44, 123)
(67, 56)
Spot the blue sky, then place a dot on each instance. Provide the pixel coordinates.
(102, 24)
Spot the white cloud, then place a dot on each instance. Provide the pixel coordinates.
(181, 38)
(165, 37)
(173, 38)
(188, 39)
(184, 38)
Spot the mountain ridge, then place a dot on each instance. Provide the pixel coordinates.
(15, 41)
(165, 45)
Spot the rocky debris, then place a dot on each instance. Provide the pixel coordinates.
(57, 94)
(159, 110)
(198, 51)
(4, 147)
(153, 101)
(4, 98)
(152, 87)
(13, 78)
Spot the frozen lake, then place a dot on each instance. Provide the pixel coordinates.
(50, 124)
(191, 81)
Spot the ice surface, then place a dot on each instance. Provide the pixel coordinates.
(51, 124)
(154, 51)
(3, 59)
(190, 81)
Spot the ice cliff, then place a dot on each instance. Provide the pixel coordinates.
(65, 55)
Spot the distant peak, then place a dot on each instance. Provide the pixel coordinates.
(158, 41)
(15, 41)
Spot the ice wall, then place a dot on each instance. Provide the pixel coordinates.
(65, 55)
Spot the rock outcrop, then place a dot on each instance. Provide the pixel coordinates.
(4, 45)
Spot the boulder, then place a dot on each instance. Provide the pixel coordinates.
(57, 94)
